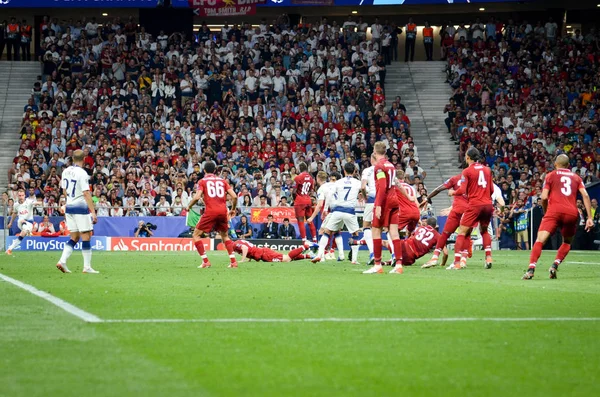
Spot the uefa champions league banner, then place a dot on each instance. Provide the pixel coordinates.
(56, 243)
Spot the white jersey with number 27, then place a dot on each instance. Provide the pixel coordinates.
(75, 181)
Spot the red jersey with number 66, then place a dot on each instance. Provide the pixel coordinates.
(477, 183)
(304, 186)
(563, 186)
(214, 191)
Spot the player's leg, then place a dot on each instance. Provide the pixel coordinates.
(452, 223)
(339, 243)
(394, 234)
(67, 251)
(86, 252)
(568, 230)
(367, 234)
(324, 240)
(388, 216)
(313, 229)
(351, 222)
(297, 253)
(460, 247)
(221, 225)
(547, 228)
(484, 221)
(199, 244)
(299, 210)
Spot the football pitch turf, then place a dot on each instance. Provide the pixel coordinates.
(165, 328)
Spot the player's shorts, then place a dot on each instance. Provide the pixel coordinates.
(335, 220)
(368, 212)
(477, 214)
(389, 216)
(522, 237)
(26, 226)
(79, 223)
(408, 220)
(268, 255)
(567, 223)
(452, 222)
(408, 255)
(303, 210)
(210, 221)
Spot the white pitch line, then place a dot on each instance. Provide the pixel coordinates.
(352, 320)
(69, 308)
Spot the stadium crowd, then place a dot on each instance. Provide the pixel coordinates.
(149, 111)
(523, 94)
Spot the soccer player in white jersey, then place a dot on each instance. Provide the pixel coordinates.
(23, 211)
(368, 188)
(80, 213)
(324, 197)
(345, 199)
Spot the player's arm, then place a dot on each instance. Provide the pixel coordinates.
(363, 187)
(500, 201)
(589, 223)
(197, 197)
(87, 195)
(317, 209)
(233, 198)
(544, 197)
(12, 219)
(462, 189)
(244, 254)
(431, 195)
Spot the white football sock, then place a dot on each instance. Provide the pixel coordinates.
(67, 251)
(87, 258)
(15, 244)
(354, 249)
(322, 245)
(339, 241)
(368, 237)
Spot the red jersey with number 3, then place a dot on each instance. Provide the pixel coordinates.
(214, 191)
(304, 186)
(385, 183)
(563, 186)
(460, 203)
(423, 240)
(477, 183)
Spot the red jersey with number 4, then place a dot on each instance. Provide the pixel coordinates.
(385, 182)
(460, 203)
(477, 183)
(563, 186)
(253, 250)
(304, 186)
(423, 240)
(214, 191)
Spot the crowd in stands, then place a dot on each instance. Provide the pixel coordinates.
(150, 111)
(523, 94)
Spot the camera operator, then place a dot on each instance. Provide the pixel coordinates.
(144, 230)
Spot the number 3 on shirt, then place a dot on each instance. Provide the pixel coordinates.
(215, 189)
(424, 236)
(481, 180)
(566, 187)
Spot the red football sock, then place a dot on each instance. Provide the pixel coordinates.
(377, 250)
(458, 247)
(398, 250)
(229, 247)
(442, 241)
(536, 251)
(487, 243)
(302, 230)
(313, 230)
(562, 253)
(332, 242)
(293, 254)
(200, 248)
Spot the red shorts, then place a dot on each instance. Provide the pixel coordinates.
(389, 216)
(452, 222)
(408, 256)
(210, 221)
(268, 255)
(553, 220)
(408, 220)
(303, 210)
(481, 214)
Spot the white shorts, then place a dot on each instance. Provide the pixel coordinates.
(79, 222)
(368, 212)
(26, 226)
(335, 220)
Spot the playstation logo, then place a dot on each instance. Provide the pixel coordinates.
(277, 1)
(4, 2)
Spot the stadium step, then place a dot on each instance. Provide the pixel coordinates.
(424, 93)
(16, 82)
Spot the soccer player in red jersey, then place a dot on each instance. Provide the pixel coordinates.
(423, 239)
(409, 214)
(477, 183)
(249, 251)
(459, 205)
(386, 206)
(559, 198)
(303, 202)
(213, 191)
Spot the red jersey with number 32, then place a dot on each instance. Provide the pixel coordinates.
(460, 203)
(477, 183)
(214, 191)
(563, 186)
(423, 240)
(385, 182)
(304, 186)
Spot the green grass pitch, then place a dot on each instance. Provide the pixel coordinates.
(46, 351)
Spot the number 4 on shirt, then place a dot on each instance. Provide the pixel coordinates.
(481, 180)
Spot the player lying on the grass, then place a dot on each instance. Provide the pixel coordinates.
(23, 211)
(80, 213)
(324, 199)
(249, 251)
(559, 201)
(343, 212)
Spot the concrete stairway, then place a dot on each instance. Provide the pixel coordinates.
(16, 82)
(424, 93)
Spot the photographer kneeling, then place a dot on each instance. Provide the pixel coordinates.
(144, 229)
